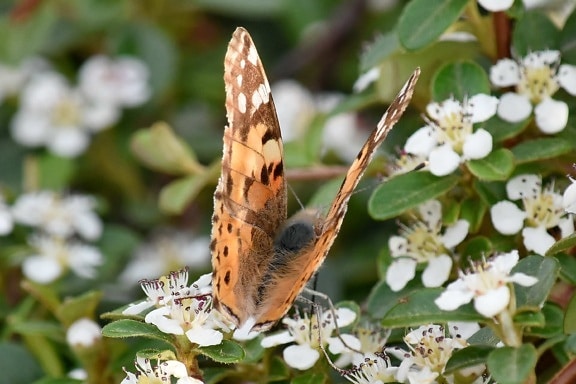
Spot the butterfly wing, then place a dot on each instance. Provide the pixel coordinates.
(250, 199)
(301, 267)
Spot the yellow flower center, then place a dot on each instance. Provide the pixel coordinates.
(537, 83)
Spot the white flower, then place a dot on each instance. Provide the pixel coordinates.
(569, 197)
(372, 341)
(55, 115)
(366, 79)
(119, 82)
(543, 210)
(168, 250)
(450, 138)
(84, 333)
(161, 291)
(487, 283)
(424, 242)
(536, 77)
(182, 310)
(307, 333)
(53, 256)
(57, 215)
(375, 369)
(429, 349)
(298, 108)
(161, 372)
(6, 219)
(12, 79)
(496, 5)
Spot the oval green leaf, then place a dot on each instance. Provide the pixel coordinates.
(460, 79)
(509, 365)
(570, 317)
(132, 328)
(468, 357)
(422, 22)
(534, 32)
(502, 130)
(568, 40)
(497, 166)
(407, 191)
(227, 352)
(562, 245)
(567, 267)
(540, 149)
(546, 270)
(419, 308)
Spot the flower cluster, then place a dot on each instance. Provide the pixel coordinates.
(60, 116)
(179, 309)
(61, 223)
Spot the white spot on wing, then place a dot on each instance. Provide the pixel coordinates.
(239, 80)
(242, 63)
(252, 55)
(259, 97)
(242, 102)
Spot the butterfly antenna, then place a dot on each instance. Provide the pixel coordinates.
(295, 196)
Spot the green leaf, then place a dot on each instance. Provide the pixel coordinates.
(534, 32)
(51, 330)
(467, 357)
(17, 365)
(419, 308)
(485, 336)
(568, 40)
(247, 8)
(381, 49)
(498, 165)
(407, 191)
(382, 298)
(176, 196)
(529, 319)
(55, 172)
(132, 328)
(149, 43)
(422, 22)
(253, 350)
(473, 210)
(553, 325)
(570, 316)
(278, 370)
(540, 149)
(502, 130)
(490, 192)
(75, 308)
(545, 269)
(509, 365)
(459, 79)
(567, 267)
(25, 37)
(160, 149)
(477, 247)
(562, 245)
(310, 378)
(227, 352)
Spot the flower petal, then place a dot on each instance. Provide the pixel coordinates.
(455, 234)
(514, 108)
(505, 73)
(301, 356)
(477, 145)
(451, 299)
(437, 271)
(537, 239)
(483, 107)
(567, 78)
(523, 185)
(204, 336)
(421, 142)
(443, 160)
(400, 272)
(283, 337)
(551, 115)
(42, 270)
(493, 302)
(569, 198)
(507, 218)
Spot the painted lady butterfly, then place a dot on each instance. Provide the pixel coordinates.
(261, 261)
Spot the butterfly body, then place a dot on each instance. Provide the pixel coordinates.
(262, 261)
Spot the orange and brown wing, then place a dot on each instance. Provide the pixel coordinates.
(250, 199)
(304, 265)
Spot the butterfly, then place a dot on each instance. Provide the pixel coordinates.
(262, 261)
